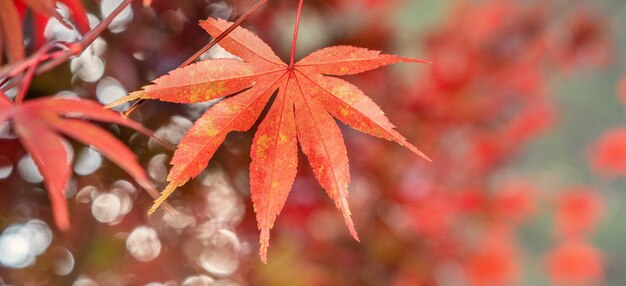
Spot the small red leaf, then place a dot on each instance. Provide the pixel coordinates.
(37, 122)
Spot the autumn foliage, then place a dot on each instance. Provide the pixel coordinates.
(251, 129)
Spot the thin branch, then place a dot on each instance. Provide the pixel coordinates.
(41, 55)
(225, 33)
(60, 57)
(28, 78)
(207, 46)
(78, 47)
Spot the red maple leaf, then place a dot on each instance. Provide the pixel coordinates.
(39, 124)
(301, 112)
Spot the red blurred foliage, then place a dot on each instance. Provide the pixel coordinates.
(575, 262)
(584, 41)
(609, 154)
(515, 201)
(482, 100)
(494, 261)
(577, 212)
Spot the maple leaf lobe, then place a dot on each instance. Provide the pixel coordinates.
(347, 60)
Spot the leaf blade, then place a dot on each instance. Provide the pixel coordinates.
(237, 113)
(322, 143)
(347, 60)
(108, 145)
(81, 108)
(203, 81)
(242, 43)
(273, 168)
(350, 105)
(52, 160)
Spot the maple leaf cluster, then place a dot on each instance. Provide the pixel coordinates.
(487, 93)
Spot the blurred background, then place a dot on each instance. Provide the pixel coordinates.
(521, 111)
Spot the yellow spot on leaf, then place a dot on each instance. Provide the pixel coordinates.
(344, 111)
(205, 93)
(262, 145)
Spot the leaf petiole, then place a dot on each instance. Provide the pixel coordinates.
(295, 34)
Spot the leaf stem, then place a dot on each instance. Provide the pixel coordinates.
(207, 47)
(26, 80)
(295, 34)
(80, 46)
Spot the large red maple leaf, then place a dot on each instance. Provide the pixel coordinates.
(302, 109)
(39, 124)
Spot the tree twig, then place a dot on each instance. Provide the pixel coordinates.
(207, 47)
(55, 59)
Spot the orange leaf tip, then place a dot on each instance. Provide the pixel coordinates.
(424, 156)
(140, 94)
(264, 238)
(171, 187)
(420, 61)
